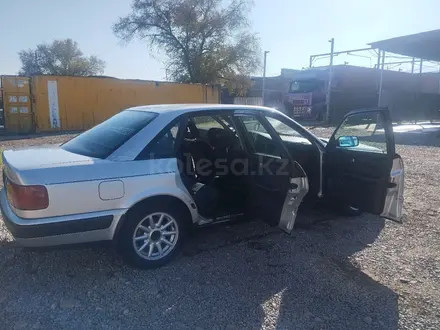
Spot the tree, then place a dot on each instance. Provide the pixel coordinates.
(62, 58)
(205, 41)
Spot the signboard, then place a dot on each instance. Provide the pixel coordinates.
(54, 111)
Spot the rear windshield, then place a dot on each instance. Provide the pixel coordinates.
(103, 139)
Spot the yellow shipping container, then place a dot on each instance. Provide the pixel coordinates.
(17, 104)
(77, 103)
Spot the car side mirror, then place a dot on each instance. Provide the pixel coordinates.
(348, 141)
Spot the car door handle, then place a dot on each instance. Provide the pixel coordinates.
(293, 186)
(392, 185)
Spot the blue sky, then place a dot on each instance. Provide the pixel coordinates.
(291, 30)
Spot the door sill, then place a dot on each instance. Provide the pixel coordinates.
(400, 220)
(212, 221)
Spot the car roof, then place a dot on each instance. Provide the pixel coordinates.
(183, 108)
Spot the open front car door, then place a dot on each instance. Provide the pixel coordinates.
(361, 166)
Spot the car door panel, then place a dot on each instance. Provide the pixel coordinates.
(308, 155)
(360, 176)
(278, 183)
(351, 172)
(278, 191)
(299, 187)
(394, 200)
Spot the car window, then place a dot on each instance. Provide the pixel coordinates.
(287, 133)
(102, 140)
(368, 128)
(204, 123)
(225, 122)
(258, 137)
(163, 146)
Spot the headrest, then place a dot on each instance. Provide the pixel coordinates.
(192, 132)
(220, 138)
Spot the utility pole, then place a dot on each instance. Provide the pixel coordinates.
(330, 76)
(419, 96)
(378, 59)
(382, 67)
(264, 75)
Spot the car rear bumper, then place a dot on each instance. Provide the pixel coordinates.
(69, 229)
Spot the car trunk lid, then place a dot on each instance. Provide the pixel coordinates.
(39, 165)
(23, 159)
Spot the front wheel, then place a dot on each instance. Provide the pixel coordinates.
(151, 238)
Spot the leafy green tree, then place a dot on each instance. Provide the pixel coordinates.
(61, 57)
(205, 41)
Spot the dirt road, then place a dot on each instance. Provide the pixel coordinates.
(343, 273)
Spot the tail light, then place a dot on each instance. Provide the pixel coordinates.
(27, 198)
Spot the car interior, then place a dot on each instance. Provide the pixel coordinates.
(209, 148)
(214, 160)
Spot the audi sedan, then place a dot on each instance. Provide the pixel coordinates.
(147, 175)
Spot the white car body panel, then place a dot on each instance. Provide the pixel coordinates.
(69, 238)
(140, 179)
(111, 189)
(394, 200)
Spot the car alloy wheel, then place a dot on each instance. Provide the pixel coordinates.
(153, 232)
(155, 236)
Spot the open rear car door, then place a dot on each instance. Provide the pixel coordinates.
(278, 183)
(361, 166)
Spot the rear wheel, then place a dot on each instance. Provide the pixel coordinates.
(152, 237)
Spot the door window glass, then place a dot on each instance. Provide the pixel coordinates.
(206, 122)
(212, 130)
(363, 132)
(163, 146)
(287, 133)
(258, 137)
(225, 122)
(199, 126)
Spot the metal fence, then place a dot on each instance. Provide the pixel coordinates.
(249, 100)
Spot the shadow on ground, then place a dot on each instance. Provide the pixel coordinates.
(241, 276)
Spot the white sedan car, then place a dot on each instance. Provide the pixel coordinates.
(148, 174)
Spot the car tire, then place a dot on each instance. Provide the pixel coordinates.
(148, 245)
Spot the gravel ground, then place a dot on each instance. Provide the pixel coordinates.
(341, 273)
